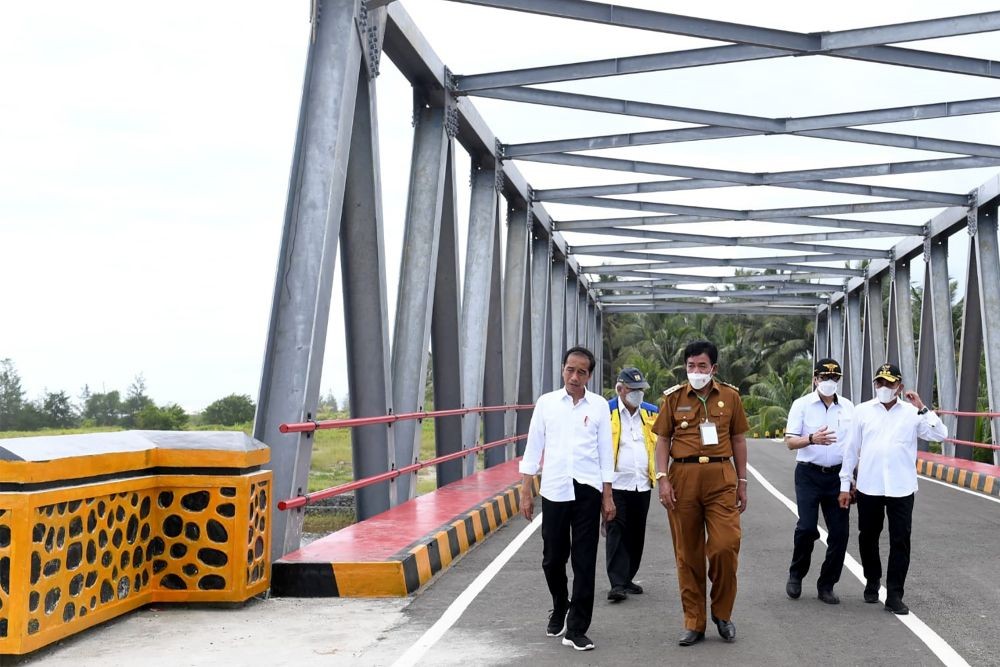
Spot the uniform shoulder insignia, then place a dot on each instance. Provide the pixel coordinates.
(667, 392)
(731, 386)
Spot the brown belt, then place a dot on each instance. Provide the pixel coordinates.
(701, 459)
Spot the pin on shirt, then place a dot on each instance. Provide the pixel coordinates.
(586, 420)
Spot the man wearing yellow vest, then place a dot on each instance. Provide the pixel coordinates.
(632, 446)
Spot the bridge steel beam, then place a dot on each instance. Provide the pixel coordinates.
(516, 306)
(874, 353)
(446, 319)
(837, 336)
(572, 310)
(366, 321)
(541, 329)
(558, 278)
(970, 352)
(942, 331)
(853, 334)
(926, 354)
(821, 335)
(479, 269)
(494, 393)
(417, 277)
(988, 273)
(903, 318)
(296, 338)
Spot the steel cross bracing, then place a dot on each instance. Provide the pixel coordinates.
(674, 234)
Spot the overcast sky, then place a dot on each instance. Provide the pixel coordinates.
(145, 151)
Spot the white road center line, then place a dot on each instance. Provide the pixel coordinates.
(945, 653)
(461, 603)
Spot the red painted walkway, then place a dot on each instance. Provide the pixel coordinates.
(388, 533)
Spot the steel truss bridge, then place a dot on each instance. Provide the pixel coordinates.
(537, 283)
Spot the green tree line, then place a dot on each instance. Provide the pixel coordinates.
(110, 409)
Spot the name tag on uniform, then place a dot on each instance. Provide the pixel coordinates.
(709, 436)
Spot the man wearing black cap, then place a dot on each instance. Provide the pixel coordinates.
(632, 446)
(883, 445)
(816, 424)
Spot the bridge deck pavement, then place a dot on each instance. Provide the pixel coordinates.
(953, 587)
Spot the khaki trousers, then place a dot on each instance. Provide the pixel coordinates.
(706, 501)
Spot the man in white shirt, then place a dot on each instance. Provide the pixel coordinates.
(572, 428)
(883, 445)
(633, 444)
(816, 424)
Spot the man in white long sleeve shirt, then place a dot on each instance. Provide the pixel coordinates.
(572, 428)
(883, 446)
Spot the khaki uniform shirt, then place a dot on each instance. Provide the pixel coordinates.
(682, 411)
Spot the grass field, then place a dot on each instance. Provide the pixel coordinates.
(331, 463)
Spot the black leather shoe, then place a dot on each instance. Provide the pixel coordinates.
(896, 606)
(871, 591)
(829, 597)
(793, 588)
(617, 594)
(634, 589)
(690, 637)
(727, 630)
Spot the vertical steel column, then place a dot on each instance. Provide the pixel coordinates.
(493, 380)
(526, 384)
(837, 334)
(588, 323)
(572, 308)
(418, 268)
(558, 280)
(446, 320)
(296, 338)
(875, 354)
(366, 320)
(926, 361)
(581, 315)
(599, 324)
(852, 353)
(516, 291)
(821, 333)
(988, 265)
(970, 352)
(943, 332)
(479, 271)
(902, 313)
(541, 330)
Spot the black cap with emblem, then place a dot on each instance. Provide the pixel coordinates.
(632, 378)
(827, 365)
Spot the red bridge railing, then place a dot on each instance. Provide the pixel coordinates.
(314, 425)
(958, 413)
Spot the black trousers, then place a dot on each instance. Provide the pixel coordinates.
(815, 490)
(872, 511)
(570, 530)
(626, 535)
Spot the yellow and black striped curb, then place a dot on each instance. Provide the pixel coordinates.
(976, 481)
(408, 569)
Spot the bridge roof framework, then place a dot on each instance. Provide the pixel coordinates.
(622, 221)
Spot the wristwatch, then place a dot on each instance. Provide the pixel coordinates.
(924, 410)
(659, 476)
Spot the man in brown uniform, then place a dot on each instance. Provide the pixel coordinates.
(702, 428)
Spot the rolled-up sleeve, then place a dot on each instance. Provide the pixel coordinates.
(931, 428)
(532, 458)
(796, 414)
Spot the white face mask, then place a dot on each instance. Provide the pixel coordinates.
(827, 387)
(885, 394)
(699, 380)
(634, 398)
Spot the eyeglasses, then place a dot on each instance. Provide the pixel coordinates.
(828, 376)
